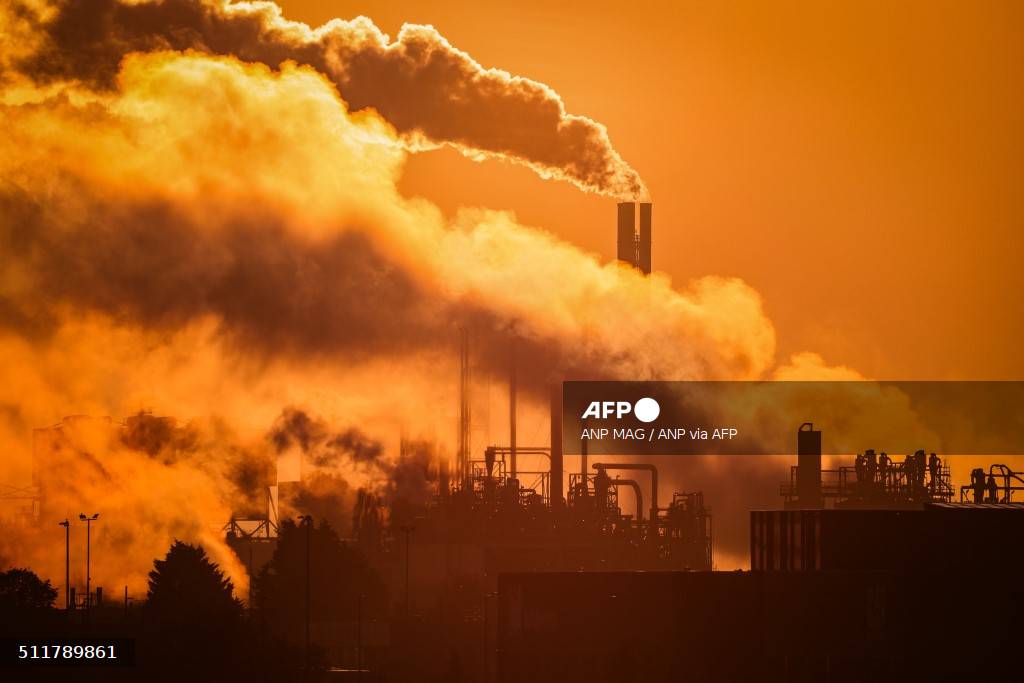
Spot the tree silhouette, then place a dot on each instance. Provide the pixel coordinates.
(338, 575)
(187, 589)
(195, 628)
(22, 589)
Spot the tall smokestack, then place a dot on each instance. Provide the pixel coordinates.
(627, 233)
(808, 466)
(643, 247)
(512, 381)
(556, 446)
(464, 408)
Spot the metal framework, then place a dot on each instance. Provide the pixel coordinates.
(26, 493)
(879, 480)
(1005, 481)
(252, 529)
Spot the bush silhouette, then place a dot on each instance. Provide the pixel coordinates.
(22, 589)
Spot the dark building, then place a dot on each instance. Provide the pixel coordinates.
(915, 588)
(948, 536)
(757, 626)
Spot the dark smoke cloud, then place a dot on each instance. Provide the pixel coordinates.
(322, 448)
(406, 482)
(247, 468)
(155, 435)
(356, 445)
(147, 263)
(325, 495)
(295, 427)
(420, 83)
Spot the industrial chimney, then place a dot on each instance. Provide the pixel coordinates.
(643, 245)
(627, 233)
(808, 467)
(634, 249)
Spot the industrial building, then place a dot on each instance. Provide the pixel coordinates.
(759, 626)
(880, 570)
(485, 519)
(917, 588)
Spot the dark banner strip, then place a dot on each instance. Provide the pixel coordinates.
(761, 418)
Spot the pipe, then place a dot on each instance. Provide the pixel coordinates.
(637, 493)
(583, 454)
(512, 409)
(557, 501)
(464, 409)
(524, 450)
(654, 486)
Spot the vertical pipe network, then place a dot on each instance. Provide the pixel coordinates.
(556, 446)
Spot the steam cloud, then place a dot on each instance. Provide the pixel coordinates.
(220, 237)
(432, 93)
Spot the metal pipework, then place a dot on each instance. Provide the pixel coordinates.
(636, 492)
(557, 499)
(512, 390)
(654, 486)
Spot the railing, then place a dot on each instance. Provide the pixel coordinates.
(894, 483)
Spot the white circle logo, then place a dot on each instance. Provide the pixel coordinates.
(647, 410)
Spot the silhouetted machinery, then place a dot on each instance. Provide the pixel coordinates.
(885, 515)
(864, 576)
(493, 516)
(875, 480)
(492, 510)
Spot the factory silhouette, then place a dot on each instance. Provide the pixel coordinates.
(876, 570)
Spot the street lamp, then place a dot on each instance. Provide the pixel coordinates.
(307, 520)
(407, 529)
(88, 559)
(67, 563)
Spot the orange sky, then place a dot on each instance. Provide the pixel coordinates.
(856, 165)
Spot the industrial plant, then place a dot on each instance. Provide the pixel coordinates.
(878, 570)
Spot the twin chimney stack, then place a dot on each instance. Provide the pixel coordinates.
(634, 247)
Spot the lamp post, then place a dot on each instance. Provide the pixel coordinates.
(88, 560)
(407, 529)
(67, 563)
(307, 521)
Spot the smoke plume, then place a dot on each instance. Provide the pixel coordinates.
(431, 92)
(217, 235)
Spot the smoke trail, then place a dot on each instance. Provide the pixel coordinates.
(159, 213)
(229, 259)
(433, 93)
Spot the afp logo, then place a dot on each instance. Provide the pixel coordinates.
(645, 410)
